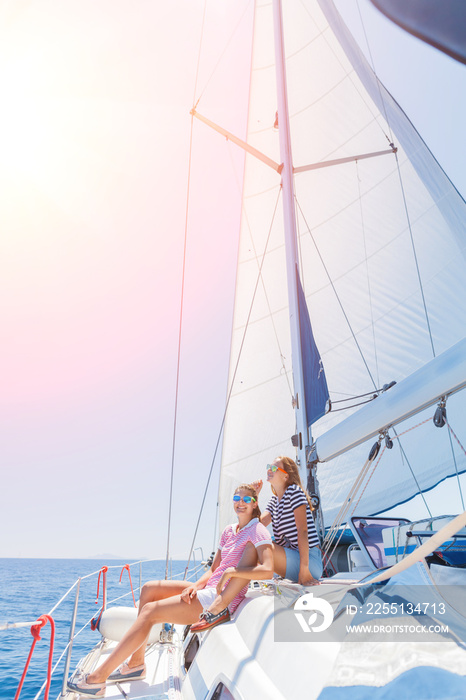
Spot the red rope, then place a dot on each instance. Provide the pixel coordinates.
(126, 567)
(459, 443)
(35, 631)
(103, 572)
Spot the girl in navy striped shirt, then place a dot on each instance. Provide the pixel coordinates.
(296, 548)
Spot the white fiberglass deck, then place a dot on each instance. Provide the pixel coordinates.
(162, 680)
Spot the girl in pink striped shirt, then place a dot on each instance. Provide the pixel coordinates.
(244, 554)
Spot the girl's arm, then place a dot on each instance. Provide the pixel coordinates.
(190, 591)
(262, 570)
(305, 577)
(266, 518)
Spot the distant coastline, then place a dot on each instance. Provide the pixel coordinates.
(113, 556)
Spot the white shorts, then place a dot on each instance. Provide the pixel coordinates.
(206, 597)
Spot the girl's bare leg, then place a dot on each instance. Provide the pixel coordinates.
(279, 560)
(170, 609)
(158, 590)
(150, 592)
(234, 585)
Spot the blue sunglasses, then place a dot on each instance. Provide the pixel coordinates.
(245, 499)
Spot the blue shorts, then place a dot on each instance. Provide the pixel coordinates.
(292, 563)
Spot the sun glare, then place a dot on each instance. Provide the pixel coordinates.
(26, 125)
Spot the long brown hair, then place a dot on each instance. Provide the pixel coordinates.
(256, 513)
(292, 470)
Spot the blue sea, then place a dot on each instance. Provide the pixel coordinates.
(32, 587)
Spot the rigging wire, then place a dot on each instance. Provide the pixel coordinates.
(361, 396)
(222, 54)
(404, 458)
(376, 464)
(366, 259)
(341, 516)
(271, 316)
(264, 289)
(353, 405)
(421, 286)
(337, 57)
(371, 60)
(214, 542)
(178, 363)
(259, 277)
(398, 437)
(337, 297)
(201, 40)
(405, 204)
(172, 469)
(300, 251)
(373, 394)
(450, 433)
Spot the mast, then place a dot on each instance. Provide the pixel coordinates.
(304, 437)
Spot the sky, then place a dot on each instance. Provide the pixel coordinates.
(95, 153)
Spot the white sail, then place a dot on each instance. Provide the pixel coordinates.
(382, 243)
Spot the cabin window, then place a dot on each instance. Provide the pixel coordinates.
(190, 652)
(221, 692)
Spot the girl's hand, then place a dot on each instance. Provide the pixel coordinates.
(257, 485)
(305, 578)
(226, 575)
(188, 594)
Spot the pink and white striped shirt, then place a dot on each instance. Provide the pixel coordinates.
(232, 544)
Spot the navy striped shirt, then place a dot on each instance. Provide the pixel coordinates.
(283, 520)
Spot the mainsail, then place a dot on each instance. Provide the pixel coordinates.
(382, 260)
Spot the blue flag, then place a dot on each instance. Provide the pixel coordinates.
(315, 382)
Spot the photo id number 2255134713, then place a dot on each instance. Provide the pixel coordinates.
(399, 608)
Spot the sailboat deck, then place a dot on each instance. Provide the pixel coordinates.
(250, 657)
(162, 680)
(240, 654)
